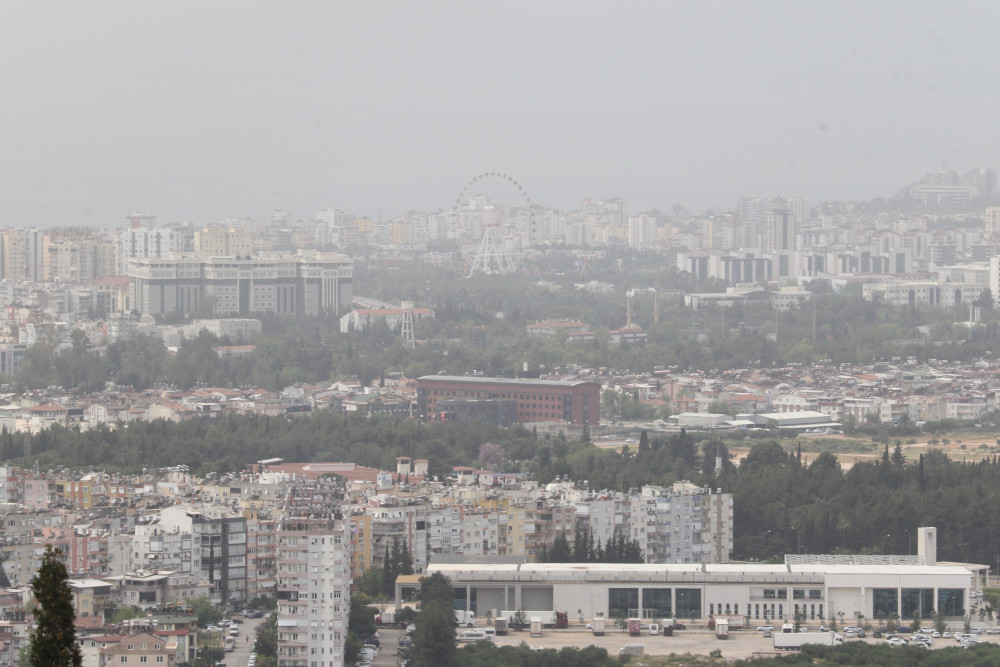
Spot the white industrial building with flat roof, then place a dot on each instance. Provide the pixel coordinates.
(819, 586)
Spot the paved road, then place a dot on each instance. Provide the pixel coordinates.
(240, 657)
(388, 657)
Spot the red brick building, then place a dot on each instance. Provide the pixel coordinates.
(537, 400)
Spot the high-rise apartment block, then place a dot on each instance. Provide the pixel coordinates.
(218, 549)
(314, 577)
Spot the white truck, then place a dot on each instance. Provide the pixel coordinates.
(598, 625)
(548, 618)
(789, 641)
(536, 626)
(632, 649)
(465, 619)
(722, 628)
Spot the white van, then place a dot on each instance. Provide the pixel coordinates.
(472, 636)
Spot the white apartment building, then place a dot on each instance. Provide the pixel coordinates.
(407, 523)
(314, 577)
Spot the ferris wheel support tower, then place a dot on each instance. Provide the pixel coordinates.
(493, 257)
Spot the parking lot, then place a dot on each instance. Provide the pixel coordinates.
(741, 643)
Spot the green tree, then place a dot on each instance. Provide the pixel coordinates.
(560, 552)
(389, 571)
(940, 623)
(360, 624)
(518, 621)
(206, 610)
(718, 408)
(266, 643)
(370, 583)
(53, 643)
(434, 638)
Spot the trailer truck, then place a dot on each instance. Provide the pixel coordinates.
(536, 626)
(549, 619)
(795, 640)
(465, 619)
(634, 627)
(500, 625)
(721, 628)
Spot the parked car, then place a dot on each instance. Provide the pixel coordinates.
(762, 628)
(896, 641)
(825, 628)
(993, 631)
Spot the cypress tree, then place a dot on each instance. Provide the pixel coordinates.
(53, 642)
(405, 565)
(388, 576)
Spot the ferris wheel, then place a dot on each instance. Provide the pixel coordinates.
(491, 241)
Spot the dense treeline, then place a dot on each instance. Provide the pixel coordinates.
(782, 504)
(480, 323)
(861, 653)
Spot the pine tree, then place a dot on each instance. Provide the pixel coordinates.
(560, 551)
(53, 642)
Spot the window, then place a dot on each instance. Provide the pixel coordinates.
(950, 601)
(885, 602)
(688, 603)
(621, 601)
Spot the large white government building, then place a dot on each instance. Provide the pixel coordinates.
(302, 283)
(820, 586)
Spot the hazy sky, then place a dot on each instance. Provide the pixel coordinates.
(198, 110)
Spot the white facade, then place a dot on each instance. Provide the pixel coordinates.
(314, 579)
(821, 590)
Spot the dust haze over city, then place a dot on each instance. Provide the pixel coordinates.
(639, 326)
(201, 112)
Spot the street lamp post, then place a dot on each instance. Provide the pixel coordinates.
(907, 531)
(881, 549)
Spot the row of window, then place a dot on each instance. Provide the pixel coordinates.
(656, 602)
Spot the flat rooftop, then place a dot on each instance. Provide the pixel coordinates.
(514, 382)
